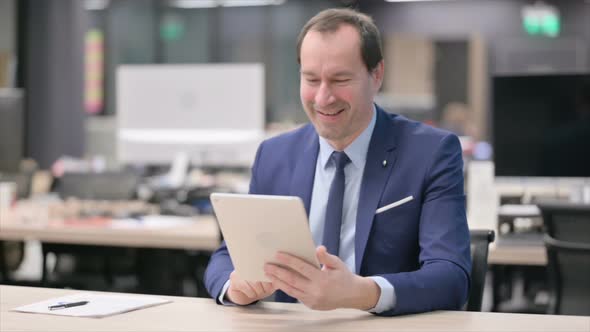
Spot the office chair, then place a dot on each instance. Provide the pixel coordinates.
(567, 239)
(12, 252)
(480, 241)
(91, 260)
(566, 221)
(569, 273)
(109, 186)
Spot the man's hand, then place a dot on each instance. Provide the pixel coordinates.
(244, 292)
(334, 286)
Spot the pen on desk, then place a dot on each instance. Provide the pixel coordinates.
(67, 305)
(394, 204)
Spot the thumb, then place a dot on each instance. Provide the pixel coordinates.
(327, 259)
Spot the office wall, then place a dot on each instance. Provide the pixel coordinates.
(53, 64)
(267, 34)
(7, 25)
(497, 27)
(192, 25)
(499, 23)
(135, 33)
(129, 37)
(7, 45)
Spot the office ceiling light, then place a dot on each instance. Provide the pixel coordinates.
(412, 0)
(190, 4)
(245, 3)
(96, 4)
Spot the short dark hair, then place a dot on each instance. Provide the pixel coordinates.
(330, 20)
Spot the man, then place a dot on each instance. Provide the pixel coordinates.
(351, 160)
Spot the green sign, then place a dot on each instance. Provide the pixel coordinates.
(541, 21)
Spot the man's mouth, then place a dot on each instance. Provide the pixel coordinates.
(332, 113)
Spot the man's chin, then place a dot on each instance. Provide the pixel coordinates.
(328, 134)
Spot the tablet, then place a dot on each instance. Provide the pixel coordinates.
(256, 227)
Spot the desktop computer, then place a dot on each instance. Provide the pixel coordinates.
(214, 113)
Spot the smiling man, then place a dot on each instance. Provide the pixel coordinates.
(348, 166)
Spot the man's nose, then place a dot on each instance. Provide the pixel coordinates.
(324, 96)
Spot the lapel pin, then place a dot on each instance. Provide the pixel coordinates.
(384, 163)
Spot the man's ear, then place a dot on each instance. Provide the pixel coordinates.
(377, 76)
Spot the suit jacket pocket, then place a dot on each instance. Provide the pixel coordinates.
(394, 205)
(397, 227)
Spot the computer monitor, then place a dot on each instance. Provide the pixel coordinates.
(214, 113)
(11, 130)
(541, 125)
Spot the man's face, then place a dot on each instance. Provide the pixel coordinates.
(336, 88)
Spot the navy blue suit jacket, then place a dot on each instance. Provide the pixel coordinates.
(421, 247)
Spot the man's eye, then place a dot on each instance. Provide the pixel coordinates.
(344, 80)
(312, 80)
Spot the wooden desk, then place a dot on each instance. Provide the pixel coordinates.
(503, 259)
(194, 314)
(517, 255)
(202, 235)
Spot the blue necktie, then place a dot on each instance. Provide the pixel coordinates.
(333, 220)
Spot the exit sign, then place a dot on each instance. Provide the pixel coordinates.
(541, 19)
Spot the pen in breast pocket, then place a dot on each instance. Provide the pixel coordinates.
(394, 204)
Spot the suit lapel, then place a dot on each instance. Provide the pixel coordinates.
(304, 173)
(375, 176)
(302, 185)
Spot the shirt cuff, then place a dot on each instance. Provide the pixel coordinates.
(222, 298)
(387, 298)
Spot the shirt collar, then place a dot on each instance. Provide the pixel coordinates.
(356, 151)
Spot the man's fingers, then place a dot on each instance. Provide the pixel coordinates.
(252, 290)
(326, 259)
(297, 264)
(259, 289)
(268, 287)
(245, 288)
(288, 276)
(237, 284)
(285, 287)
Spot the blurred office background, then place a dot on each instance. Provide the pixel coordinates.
(99, 86)
(441, 57)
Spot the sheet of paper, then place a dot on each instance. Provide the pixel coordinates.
(99, 305)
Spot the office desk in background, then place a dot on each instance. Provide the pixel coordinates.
(194, 314)
(515, 254)
(518, 274)
(160, 247)
(203, 234)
